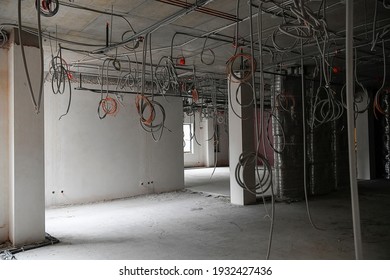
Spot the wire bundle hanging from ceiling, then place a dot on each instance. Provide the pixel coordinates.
(166, 76)
(36, 101)
(107, 106)
(151, 113)
(257, 159)
(61, 76)
(381, 91)
(3, 37)
(48, 8)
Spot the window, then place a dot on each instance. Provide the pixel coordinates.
(187, 138)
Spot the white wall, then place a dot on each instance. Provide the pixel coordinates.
(4, 179)
(91, 159)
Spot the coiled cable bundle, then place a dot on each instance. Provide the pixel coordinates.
(61, 76)
(109, 106)
(303, 23)
(147, 110)
(325, 108)
(48, 8)
(247, 64)
(361, 98)
(378, 101)
(166, 76)
(3, 37)
(202, 54)
(262, 181)
(380, 92)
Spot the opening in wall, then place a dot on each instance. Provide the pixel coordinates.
(188, 138)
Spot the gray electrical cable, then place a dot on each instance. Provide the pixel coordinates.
(36, 103)
(304, 141)
(262, 95)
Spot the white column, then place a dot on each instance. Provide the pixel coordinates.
(363, 147)
(4, 179)
(26, 149)
(241, 139)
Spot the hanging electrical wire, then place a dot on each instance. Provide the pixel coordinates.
(166, 76)
(107, 105)
(325, 106)
(271, 119)
(203, 60)
(3, 37)
(266, 179)
(152, 113)
(61, 76)
(361, 98)
(35, 100)
(244, 72)
(48, 8)
(380, 92)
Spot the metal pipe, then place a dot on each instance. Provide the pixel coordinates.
(208, 11)
(271, 65)
(351, 125)
(156, 25)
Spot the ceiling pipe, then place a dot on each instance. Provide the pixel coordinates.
(155, 26)
(204, 10)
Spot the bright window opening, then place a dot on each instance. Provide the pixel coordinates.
(187, 138)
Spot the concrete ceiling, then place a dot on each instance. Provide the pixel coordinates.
(84, 26)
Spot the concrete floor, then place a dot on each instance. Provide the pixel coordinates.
(203, 180)
(190, 225)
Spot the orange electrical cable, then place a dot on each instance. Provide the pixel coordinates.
(195, 95)
(109, 107)
(249, 64)
(141, 103)
(377, 106)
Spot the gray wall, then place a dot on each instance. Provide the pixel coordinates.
(91, 159)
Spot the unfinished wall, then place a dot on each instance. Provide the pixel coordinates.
(88, 159)
(4, 179)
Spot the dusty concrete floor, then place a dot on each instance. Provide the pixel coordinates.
(189, 225)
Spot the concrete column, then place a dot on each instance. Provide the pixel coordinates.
(4, 171)
(241, 139)
(363, 147)
(26, 147)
